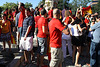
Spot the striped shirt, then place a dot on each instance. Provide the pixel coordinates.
(28, 21)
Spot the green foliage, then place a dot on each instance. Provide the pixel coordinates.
(9, 5)
(12, 6)
(77, 3)
(41, 2)
(96, 8)
(28, 5)
(61, 3)
(1, 9)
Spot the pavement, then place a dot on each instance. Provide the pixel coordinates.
(67, 61)
(15, 59)
(6, 57)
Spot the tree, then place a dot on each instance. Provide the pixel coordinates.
(1, 9)
(28, 5)
(9, 5)
(96, 8)
(77, 3)
(43, 1)
(60, 4)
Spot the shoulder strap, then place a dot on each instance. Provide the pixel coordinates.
(4, 23)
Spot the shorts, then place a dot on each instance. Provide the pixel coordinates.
(56, 57)
(5, 37)
(42, 46)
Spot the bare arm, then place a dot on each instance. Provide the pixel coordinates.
(66, 31)
(27, 32)
(45, 30)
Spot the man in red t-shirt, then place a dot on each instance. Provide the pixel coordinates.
(21, 17)
(56, 29)
(42, 37)
(36, 19)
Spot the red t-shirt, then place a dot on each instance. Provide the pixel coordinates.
(50, 13)
(42, 22)
(86, 20)
(55, 29)
(68, 20)
(36, 21)
(21, 18)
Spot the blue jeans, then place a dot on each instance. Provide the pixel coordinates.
(20, 31)
(95, 54)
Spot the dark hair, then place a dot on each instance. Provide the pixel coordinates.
(37, 13)
(77, 21)
(28, 9)
(4, 15)
(6, 8)
(43, 11)
(69, 8)
(41, 5)
(22, 4)
(93, 19)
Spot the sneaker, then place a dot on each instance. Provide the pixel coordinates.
(20, 50)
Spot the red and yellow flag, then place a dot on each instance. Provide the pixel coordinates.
(86, 10)
(13, 39)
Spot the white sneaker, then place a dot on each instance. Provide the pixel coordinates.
(20, 50)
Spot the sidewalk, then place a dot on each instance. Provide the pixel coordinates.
(6, 56)
(67, 61)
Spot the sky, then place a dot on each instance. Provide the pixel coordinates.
(33, 2)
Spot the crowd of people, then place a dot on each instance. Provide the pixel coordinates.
(54, 29)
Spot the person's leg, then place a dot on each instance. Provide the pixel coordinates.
(98, 55)
(56, 60)
(43, 50)
(64, 47)
(41, 62)
(4, 45)
(77, 55)
(69, 47)
(74, 49)
(93, 55)
(60, 65)
(20, 33)
(32, 54)
(9, 44)
(26, 56)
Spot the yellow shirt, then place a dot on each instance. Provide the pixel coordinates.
(5, 28)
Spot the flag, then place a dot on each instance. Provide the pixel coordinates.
(86, 10)
(13, 39)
